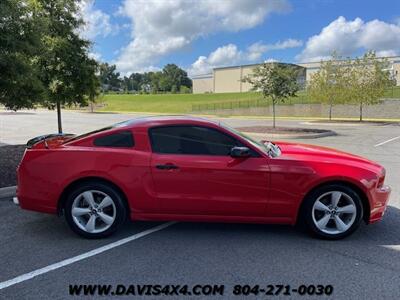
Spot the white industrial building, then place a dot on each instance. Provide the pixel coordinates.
(229, 79)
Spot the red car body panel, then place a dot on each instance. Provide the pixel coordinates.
(204, 188)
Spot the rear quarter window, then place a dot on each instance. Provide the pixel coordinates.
(121, 139)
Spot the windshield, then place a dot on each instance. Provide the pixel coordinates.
(269, 148)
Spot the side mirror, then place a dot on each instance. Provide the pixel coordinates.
(240, 152)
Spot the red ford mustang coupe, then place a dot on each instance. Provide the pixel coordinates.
(192, 169)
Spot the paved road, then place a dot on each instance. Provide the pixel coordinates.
(366, 265)
(17, 128)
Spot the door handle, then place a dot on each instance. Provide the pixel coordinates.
(167, 167)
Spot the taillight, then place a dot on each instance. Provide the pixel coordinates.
(22, 159)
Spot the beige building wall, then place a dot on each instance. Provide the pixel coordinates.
(223, 80)
(310, 72)
(227, 80)
(247, 70)
(313, 67)
(203, 84)
(396, 70)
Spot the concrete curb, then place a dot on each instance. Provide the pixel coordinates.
(292, 136)
(347, 123)
(8, 192)
(332, 124)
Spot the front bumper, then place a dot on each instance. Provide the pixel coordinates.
(380, 201)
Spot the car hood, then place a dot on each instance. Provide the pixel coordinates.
(325, 154)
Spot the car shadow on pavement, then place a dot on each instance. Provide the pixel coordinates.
(227, 253)
(386, 231)
(377, 244)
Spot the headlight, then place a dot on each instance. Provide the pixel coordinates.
(381, 179)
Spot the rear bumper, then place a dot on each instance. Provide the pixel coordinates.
(35, 194)
(380, 201)
(35, 205)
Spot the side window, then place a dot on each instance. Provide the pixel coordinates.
(195, 140)
(119, 139)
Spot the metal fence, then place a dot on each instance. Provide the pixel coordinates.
(260, 102)
(302, 98)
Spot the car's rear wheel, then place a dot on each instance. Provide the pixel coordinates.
(333, 211)
(94, 210)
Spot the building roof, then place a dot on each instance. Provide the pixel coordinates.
(253, 65)
(210, 75)
(390, 58)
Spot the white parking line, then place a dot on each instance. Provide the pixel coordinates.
(388, 141)
(85, 255)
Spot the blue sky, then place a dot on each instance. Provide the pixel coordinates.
(143, 35)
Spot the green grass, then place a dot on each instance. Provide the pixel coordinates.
(184, 103)
(168, 103)
(393, 92)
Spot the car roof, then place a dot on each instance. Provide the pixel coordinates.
(158, 120)
(142, 123)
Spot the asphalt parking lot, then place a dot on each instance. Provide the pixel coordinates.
(365, 265)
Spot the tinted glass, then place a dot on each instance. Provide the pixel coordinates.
(117, 139)
(191, 140)
(120, 124)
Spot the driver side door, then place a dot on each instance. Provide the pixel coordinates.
(193, 173)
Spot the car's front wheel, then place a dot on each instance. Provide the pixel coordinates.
(94, 210)
(333, 211)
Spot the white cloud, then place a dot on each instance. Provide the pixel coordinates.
(230, 55)
(258, 49)
(163, 27)
(222, 56)
(346, 37)
(97, 23)
(95, 55)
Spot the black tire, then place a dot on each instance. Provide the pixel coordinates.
(324, 194)
(119, 210)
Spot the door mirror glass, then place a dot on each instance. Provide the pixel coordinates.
(240, 152)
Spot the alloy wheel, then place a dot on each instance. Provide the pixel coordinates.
(334, 212)
(93, 211)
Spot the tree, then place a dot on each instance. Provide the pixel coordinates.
(275, 80)
(93, 88)
(20, 47)
(170, 79)
(361, 80)
(155, 81)
(43, 60)
(328, 85)
(109, 78)
(126, 84)
(367, 78)
(173, 78)
(185, 90)
(136, 80)
(66, 70)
